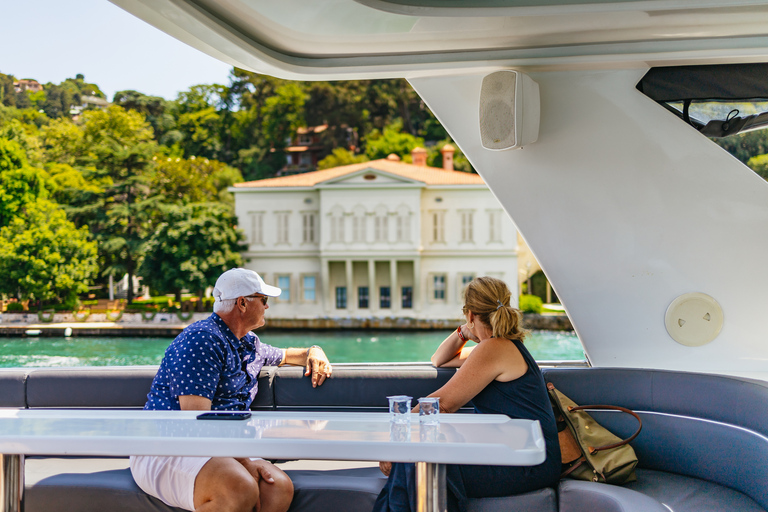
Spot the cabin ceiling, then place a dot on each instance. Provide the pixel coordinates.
(341, 38)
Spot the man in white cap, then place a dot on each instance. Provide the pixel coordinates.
(215, 364)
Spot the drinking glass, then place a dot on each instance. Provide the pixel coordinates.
(429, 410)
(400, 408)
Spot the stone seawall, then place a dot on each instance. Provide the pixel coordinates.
(169, 324)
(530, 321)
(547, 322)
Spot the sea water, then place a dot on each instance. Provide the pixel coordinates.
(340, 346)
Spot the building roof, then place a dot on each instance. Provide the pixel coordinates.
(427, 175)
(311, 129)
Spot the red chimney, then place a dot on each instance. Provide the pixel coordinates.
(419, 156)
(447, 153)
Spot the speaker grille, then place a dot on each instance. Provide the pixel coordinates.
(497, 110)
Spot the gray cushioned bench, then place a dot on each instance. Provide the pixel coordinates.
(703, 447)
(704, 444)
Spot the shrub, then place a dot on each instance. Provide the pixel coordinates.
(14, 306)
(531, 304)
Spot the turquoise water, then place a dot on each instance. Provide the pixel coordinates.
(341, 347)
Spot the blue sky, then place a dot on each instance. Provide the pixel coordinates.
(51, 40)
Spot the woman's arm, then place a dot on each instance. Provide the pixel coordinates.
(481, 367)
(451, 353)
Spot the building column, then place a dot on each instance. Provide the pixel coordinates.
(325, 286)
(373, 294)
(417, 298)
(350, 287)
(394, 289)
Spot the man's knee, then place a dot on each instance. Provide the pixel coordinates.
(225, 484)
(277, 496)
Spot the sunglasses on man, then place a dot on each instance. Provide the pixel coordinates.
(263, 298)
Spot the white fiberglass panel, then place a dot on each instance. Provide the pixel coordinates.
(346, 39)
(626, 208)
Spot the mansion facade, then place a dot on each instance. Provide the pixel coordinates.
(375, 239)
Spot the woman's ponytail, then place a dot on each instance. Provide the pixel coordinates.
(489, 298)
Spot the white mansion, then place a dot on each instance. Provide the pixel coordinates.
(376, 239)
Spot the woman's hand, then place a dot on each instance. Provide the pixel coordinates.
(385, 467)
(451, 352)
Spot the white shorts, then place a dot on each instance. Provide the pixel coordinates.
(170, 479)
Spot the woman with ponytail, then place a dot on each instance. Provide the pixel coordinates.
(498, 376)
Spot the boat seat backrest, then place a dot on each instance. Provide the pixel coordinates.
(732, 400)
(356, 387)
(13, 391)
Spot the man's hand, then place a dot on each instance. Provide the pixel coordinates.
(318, 366)
(385, 467)
(259, 469)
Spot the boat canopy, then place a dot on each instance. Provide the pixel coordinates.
(718, 100)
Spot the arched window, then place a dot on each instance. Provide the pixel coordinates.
(381, 224)
(358, 224)
(337, 224)
(403, 224)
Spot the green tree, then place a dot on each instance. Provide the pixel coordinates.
(43, 256)
(191, 248)
(79, 87)
(117, 155)
(19, 183)
(339, 157)
(154, 108)
(63, 142)
(759, 164)
(58, 100)
(745, 145)
(193, 180)
(391, 140)
(27, 135)
(68, 185)
(7, 91)
(199, 132)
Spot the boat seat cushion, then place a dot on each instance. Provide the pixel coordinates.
(581, 496)
(85, 485)
(654, 491)
(685, 494)
(339, 490)
(543, 500)
(93, 484)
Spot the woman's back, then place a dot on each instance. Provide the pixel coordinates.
(525, 397)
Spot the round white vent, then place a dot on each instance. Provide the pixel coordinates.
(694, 319)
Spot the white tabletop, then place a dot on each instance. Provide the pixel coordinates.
(459, 438)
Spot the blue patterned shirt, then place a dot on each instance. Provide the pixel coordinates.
(207, 360)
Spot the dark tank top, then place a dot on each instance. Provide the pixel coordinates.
(523, 398)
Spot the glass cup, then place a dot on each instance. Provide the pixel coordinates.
(429, 433)
(429, 410)
(399, 432)
(400, 408)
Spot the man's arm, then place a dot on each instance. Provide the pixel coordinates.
(313, 358)
(194, 403)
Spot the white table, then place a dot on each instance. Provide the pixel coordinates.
(460, 438)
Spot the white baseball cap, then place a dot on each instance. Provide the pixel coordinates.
(241, 282)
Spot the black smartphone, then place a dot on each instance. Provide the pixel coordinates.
(224, 416)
